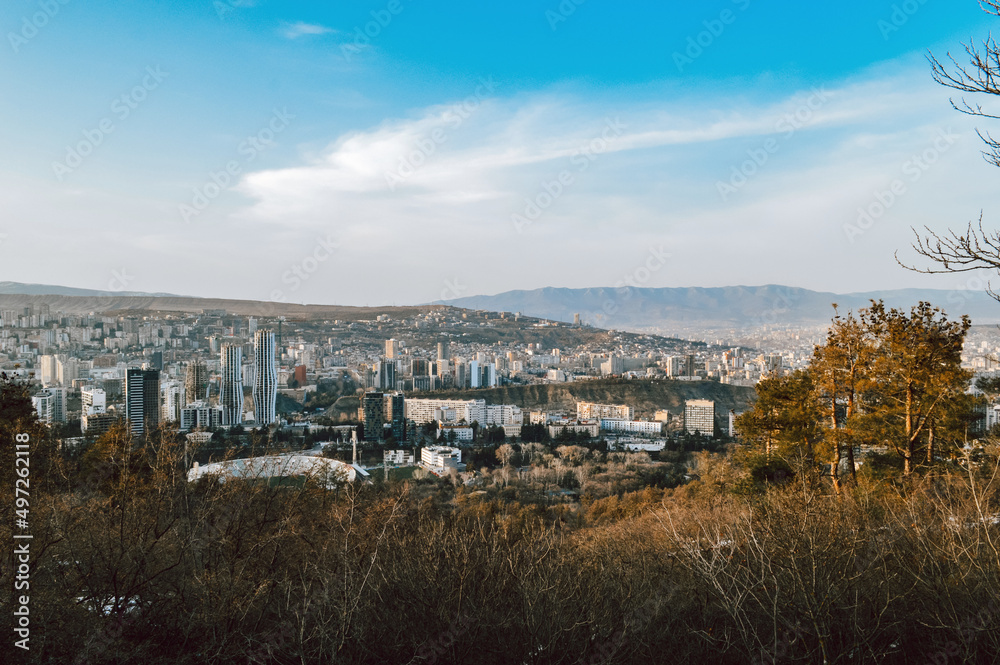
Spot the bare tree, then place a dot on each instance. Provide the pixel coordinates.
(980, 76)
(976, 248)
(953, 252)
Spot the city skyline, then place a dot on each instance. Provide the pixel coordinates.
(305, 136)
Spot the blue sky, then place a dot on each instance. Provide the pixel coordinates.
(404, 151)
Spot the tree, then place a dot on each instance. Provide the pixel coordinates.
(505, 454)
(976, 248)
(916, 371)
(883, 378)
(840, 369)
(785, 417)
(979, 77)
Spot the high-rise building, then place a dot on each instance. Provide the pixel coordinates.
(196, 381)
(614, 365)
(442, 351)
(699, 416)
(373, 415)
(142, 400)
(475, 376)
(48, 370)
(50, 405)
(386, 374)
(395, 414)
(67, 369)
(156, 360)
(392, 348)
(265, 387)
(171, 401)
(676, 366)
(231, 397)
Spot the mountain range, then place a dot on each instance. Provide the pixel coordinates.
(627, 308)
(632, 308)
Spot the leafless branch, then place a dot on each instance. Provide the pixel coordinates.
(954, 252)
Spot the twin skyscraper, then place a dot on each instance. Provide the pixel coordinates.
(265, 381)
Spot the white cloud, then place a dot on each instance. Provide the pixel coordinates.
(300, 29)
(441, 188)
(446, 216)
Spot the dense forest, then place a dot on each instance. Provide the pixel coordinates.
(558, 553)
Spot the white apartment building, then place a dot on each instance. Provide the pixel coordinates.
(462, 434)
(200, 414)
(591, 411)
(591, 429)
(423, 411)
(399, 457)
(50, 405)
(93, 400)
(503, 414)
(633, 426)
(437, 457)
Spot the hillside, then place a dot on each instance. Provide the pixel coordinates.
(734, 306)
(186, 305)
(645, 396)
(20, 288)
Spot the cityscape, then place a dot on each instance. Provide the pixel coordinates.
(552, 333)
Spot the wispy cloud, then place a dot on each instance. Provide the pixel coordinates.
(655, 183)
(301, 29)
(503, 147)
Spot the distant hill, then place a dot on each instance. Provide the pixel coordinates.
(120, 302)
(733, 306)
(18, 288)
